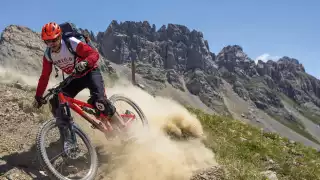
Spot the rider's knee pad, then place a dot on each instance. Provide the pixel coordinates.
(105, 106)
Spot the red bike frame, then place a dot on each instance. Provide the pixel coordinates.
(101, 122)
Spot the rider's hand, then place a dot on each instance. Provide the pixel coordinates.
(38, 102)
(81, 66)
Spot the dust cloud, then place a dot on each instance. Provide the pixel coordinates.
(153, 154)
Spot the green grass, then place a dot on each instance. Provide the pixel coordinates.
(245, 151)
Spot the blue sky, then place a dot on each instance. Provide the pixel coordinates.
(263, 28)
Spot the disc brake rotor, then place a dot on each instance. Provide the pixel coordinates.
(71, 150)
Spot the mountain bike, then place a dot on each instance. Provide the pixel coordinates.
(67, 131)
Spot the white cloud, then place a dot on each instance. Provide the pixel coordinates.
(265, 57)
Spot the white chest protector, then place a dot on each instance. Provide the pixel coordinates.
(64, 59)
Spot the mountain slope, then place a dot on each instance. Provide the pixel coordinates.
(242, 151)
(177, 63)
(186, 55)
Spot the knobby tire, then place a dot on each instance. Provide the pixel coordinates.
(43, 158)
(45, 162)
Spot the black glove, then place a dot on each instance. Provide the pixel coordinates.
(38, 102)
(81, 66)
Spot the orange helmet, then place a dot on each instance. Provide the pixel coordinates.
(50, 31)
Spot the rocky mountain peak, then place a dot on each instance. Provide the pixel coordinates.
(171, 47)
(284, 65)
(233, 59)
(19, 34)
(171, 54)
(131, 28)
(172, 32)
(287, 59)
(233, 53)
(231, 49)
(21, 48)
(290, 64)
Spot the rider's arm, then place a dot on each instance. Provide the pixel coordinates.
(44, 78)
(85, 51)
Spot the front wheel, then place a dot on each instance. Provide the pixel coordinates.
(67, 150)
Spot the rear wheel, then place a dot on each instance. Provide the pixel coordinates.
(67, 150)
(131, 114)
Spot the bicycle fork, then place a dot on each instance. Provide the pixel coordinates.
(66, 124)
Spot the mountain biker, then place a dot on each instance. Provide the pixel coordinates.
(86, 65)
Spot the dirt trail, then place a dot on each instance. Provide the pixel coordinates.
(154, 155)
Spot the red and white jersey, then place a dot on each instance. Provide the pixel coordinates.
(64, 59)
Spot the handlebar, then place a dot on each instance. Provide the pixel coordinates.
(66, 81)
(57, 89)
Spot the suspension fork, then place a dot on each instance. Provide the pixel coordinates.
(70, 122)
(67, 129)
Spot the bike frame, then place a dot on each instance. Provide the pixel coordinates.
(100, 122)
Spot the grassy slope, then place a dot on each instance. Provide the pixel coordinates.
(245, 151)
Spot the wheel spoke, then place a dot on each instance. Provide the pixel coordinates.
(56, 157)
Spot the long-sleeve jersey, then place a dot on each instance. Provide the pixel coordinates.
(64, 59)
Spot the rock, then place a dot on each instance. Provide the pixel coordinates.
(174, 47)
(235, 60)
(289, 76)
(21, 49)
(18, 85)
(149, 72)
(240, 90)
(264, 96)
(207, 88)
(263, 83)
(166, 55)
(212, 173)
(17, 174)
(270, 175)
(175, 79)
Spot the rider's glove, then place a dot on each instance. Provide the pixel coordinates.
(38, 102)
(81, 66)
